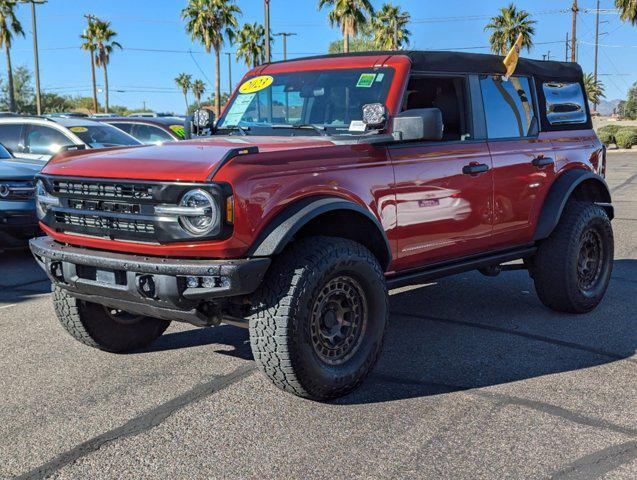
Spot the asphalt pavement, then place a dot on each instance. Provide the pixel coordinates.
(477, 380)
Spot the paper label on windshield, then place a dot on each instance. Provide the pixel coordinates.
(79, 129)
(239, 108)
(178, 130)
(255, 84)
(357, 126)
(366, 80)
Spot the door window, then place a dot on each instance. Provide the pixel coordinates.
(508, 107)
(41, 140)
(10, 134)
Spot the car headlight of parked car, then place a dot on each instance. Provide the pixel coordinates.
(198, 212)
(43, 201)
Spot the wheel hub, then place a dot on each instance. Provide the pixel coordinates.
(338, 320)
(589, 263)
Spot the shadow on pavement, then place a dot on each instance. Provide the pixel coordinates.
(20, 276)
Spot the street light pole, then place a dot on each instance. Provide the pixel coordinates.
(285, 36)
(36, 60)
(266, 4)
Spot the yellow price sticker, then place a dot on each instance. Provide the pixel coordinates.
(78, 129)
(255, 84)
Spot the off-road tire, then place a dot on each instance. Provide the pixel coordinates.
(281, 313)
(556, 266)
(91, 324)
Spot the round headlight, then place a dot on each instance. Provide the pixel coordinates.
(205, 213)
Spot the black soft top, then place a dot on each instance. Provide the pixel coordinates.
(464, 62)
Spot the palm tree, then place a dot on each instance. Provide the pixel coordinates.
(251, 44)
(390, 28)
(184, 81)
(349, 15)
(211, 22)
(506, 27)
(105, 45)
(9, 26)
(89, 44)
(628, 10)
(594, 89)
(198, 89)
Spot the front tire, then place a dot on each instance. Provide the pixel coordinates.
(105, 328)
(318, 321)
(572, 267)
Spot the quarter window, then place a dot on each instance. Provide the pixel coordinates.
(565, 103)
(508, 107)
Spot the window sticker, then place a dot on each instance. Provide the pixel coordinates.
(178, 130)
(79, 129)
(239, 107)
(255, 84)
(379, 77)
(366, 80)
(357, 126)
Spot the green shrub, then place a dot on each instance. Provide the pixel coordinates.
(612, 129)
(626, 137)
(606, 137)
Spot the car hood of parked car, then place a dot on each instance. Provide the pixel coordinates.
(192, 160)
(18, 170)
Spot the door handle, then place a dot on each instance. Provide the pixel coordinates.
(475, 168)
(542, 162)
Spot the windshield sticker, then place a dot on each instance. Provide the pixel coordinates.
(379, 77)
(79, 129)
(256, 84)
(357, 126)
(366, 80)
(239, 106)
(178, 130)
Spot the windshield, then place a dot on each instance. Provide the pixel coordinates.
(103, 136)
(328, 99)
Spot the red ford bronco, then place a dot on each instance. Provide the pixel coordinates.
(325, 182)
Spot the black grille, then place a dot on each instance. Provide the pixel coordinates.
(104, 223)
(103, 189)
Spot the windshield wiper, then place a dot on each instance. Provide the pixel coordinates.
(307, 126)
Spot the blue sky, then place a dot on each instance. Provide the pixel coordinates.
(156, 46)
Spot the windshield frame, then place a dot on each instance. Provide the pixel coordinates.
(387, 74)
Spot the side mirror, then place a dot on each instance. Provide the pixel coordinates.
(419, 124)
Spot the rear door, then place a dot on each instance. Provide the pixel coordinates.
(523, 163)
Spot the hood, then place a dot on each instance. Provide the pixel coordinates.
(18, 170)
(192, 160)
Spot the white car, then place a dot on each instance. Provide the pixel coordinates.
(39, 138)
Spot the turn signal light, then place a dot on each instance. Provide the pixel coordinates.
(230, 209)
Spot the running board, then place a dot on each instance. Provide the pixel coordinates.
(434, 272)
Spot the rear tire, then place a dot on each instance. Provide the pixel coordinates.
(105, 328)
(572, 267)
(318, 321)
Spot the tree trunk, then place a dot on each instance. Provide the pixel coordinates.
(105, 88)
(346, 43)
(186, 99)
(217, 83)
(10, 83)
(93, 80)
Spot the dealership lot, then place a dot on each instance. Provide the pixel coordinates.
(478, 380)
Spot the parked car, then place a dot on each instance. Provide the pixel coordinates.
(325, 182)
(39, 138)
(17, 207)
(150, 131)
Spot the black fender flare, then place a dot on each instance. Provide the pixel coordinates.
(273, 239)
(560, 192)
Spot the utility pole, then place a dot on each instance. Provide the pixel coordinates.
(229, 73)
(596, 39)
(574, 38)
(285, 42)
(566, 49)
(36, 60)
(266, 4)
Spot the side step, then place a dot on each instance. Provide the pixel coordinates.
(440, 270)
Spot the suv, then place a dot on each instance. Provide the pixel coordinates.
(39, 138)
(325, 182)
(17, 208)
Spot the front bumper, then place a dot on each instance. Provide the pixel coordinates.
(151, 286)
(16, 226)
